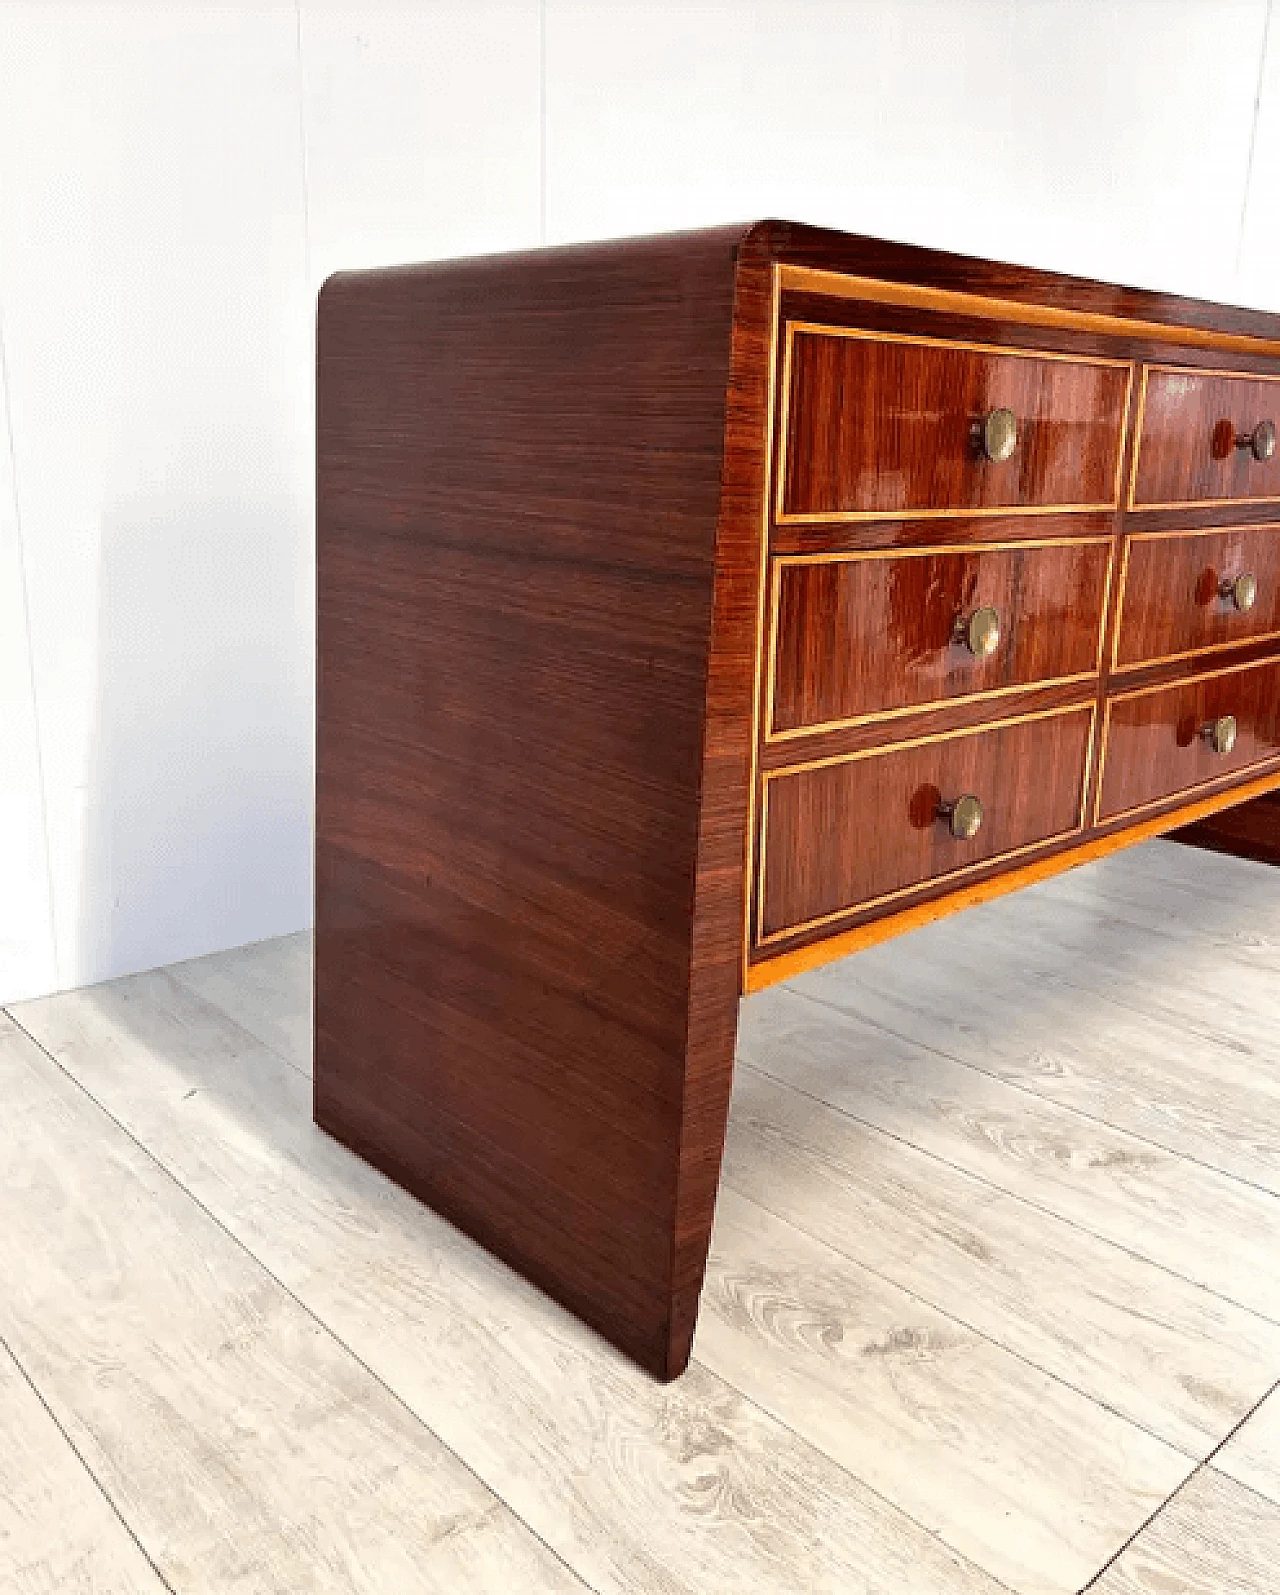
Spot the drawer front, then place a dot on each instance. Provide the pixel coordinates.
(879, 424)
(1187, 592)
(1154, 748)
(861, 636)
(855, 832)
(1188, 450)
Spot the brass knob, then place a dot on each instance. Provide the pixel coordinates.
(963, 817)
(1241, 593)
(999, 434)
(980, 633)
(1220, 734)
(1261, 442)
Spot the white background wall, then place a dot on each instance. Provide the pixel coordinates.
(177, 179)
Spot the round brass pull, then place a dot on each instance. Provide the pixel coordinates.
(1261, 442)
(1220, 734)
(999, 434)
(963, 816)
(1241, 593)
(980, 632)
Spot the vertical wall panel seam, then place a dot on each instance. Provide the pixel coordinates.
(54, 943)
(1253, 136)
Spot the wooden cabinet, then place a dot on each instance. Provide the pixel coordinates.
(696, 609)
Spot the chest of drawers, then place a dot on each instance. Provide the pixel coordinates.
(695, 609)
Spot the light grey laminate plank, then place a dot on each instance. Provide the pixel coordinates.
(1213, 1538)
(265, 987)
(58, 1532)
(1203, 1097)
(1183, 1363)
(1229, 908)
(1252, 1455)
(1022, 1474)
(641, 1488)
(244, 1447)
(1191, 1219)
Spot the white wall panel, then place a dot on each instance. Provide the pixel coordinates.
(177, 178)
(1104, 139)
(26, 929)
(423, 129)
(158, 331)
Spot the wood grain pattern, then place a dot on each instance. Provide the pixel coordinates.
(1252, 1454)
(1171, 604)
(1213, 1538)
(1150, 1345)
(842, 834)
(1186, 449)
(770, 968)
(536, 646)
(58, 1532)
(1116, 1185)
(247, 1449)
(859, 636)
(684, 1488)
(877, 425)
(544, 504)
(1249, 830)
(266, 987)
(1024, 1476)
(1153, 745)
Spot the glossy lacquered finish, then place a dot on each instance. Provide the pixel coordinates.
(843, 834)
(863, 635)
(556, 832)
(1159, 742)
(1195, 443)
(877, 425)
(536, 639)
(1185, 593)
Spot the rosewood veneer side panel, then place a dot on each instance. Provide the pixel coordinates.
(526, 970)
(1250, 830)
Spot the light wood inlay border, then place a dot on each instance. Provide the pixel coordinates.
(761, 602)
(1186, 653)
(1170, 686)
(783, 966)
(965, 870)
(877, 290)
(910, 512)
(850, 556)
(1188, 503)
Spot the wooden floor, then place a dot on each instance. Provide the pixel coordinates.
(993, 1305)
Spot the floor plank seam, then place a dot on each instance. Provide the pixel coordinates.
(314, 1317)
(112, 1505)
(974, 1329)
(1200, 1467)
(1015, 1196)
(857, 1478)
(1037, 1096)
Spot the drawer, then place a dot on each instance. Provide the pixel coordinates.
(865, 635)
(1183, 593)
(1153, 742)
(879, 424)
(854, 832)
(1194, 435)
